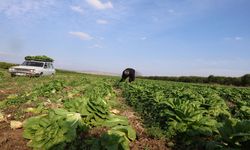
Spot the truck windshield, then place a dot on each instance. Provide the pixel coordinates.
(32, 63)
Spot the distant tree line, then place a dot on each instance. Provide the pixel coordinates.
(5, 65)
(237, 81)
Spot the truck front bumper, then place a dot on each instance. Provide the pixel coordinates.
(29, 74)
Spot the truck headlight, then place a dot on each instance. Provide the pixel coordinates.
(11, 69)
(32, 70)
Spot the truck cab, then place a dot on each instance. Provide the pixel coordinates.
(33, 68)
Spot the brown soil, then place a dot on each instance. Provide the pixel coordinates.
(150, 144)
(143, 141)
(231, 104)
(5, 93)
(11, 139)
(10, 112)
(96, 132)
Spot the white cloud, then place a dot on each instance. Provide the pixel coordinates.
(13, 8)
(101, 21)
(97, 4)
(81, 35)
(96, 46)
(175, 13)
(236, 38)
(77, 9)
(171, 11)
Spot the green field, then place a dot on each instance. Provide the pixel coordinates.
(79, 111)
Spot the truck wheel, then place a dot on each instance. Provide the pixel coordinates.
(40, 74)
(13, 75)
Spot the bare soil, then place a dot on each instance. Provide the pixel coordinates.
(231, 104)
(5, 93)
(11, 139)
(96, 132)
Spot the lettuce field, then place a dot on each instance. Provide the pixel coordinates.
(79, 111)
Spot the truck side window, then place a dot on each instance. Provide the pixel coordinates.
(45, 65)
(49, 66)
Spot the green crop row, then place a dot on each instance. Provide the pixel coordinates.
(195, 116)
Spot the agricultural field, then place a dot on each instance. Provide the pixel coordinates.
(79, 111)
(193, 116)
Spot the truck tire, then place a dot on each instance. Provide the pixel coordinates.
(40, 74)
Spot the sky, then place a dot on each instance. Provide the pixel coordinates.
(155, 37)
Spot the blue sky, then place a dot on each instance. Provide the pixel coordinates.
(156, 37)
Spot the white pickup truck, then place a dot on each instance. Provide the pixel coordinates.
(33, 68)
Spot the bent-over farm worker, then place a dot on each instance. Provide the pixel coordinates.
(129, 72)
